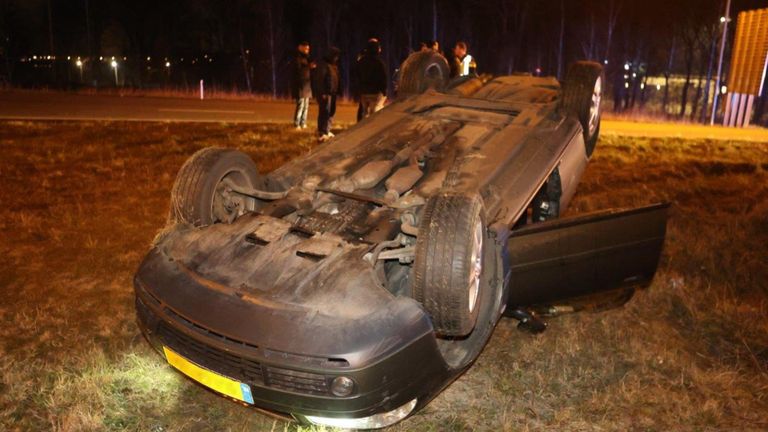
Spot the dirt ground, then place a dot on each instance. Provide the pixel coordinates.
(82, 201)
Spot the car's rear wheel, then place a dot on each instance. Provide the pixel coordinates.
(202, 192)
(449, 262)
(422, 71)
(582, 95)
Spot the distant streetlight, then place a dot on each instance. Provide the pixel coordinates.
(724, 89)
(167, 64)
(658, 87)
(114, 66)
(79, 64)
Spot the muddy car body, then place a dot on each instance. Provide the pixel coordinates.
(351, 285)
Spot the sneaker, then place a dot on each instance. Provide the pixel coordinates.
(323, 138)
(297, 128)
(331, 135)
(303, 126)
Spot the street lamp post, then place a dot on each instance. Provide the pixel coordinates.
(114, 66)
(724, 20)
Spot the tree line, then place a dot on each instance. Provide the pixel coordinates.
(253, 41)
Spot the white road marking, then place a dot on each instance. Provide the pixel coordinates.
(193, 110)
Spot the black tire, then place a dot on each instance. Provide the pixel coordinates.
(580, 89)
(197, 198)
(444, 264)
(422, 71)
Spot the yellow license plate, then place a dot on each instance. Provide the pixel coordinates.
(210, 379)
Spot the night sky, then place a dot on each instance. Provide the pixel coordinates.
(503, 35)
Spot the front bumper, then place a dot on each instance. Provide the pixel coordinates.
(294, 383)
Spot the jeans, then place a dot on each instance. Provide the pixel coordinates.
(327, 109)
(300, 116)
(370, 103)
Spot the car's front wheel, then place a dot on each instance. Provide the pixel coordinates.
(202, 193)
(449, 262)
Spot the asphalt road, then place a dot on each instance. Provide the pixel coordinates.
(36, 105)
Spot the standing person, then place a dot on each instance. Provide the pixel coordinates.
(462, 63)
(371, 79)
(434, 45)
(301, 88)
(326, 88)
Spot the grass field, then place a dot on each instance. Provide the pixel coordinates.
(81, 203)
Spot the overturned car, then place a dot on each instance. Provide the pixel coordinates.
(351, 285)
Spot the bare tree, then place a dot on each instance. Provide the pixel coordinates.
(560, 42)
(271, 40)
(614, 7)
(667, 73)
(244, 53)
(588, 48)
(511, 19)
(710, 66)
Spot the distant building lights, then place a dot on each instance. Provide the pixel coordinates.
(114, 64)
(167, 64)
(642, 86)
(79, 63)
(724, 89)
(658, 86)
(626, 85)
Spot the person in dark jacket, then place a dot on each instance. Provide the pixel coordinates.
(326, 88)
(371, 80)
(301, 88)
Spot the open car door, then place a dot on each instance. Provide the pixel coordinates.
(568, 260)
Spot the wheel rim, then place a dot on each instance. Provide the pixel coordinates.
(594, 106)
(475, 266)
(225, 207)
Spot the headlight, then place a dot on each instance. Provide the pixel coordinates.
(373, 422)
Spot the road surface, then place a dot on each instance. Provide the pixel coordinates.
(34, 105)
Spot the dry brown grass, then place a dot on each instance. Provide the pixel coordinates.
(82, 202)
